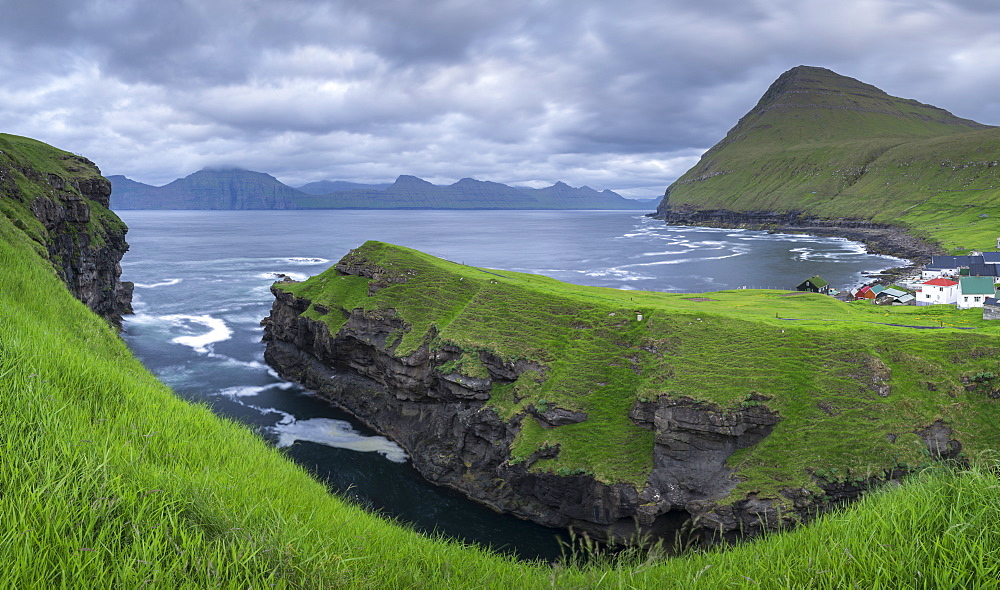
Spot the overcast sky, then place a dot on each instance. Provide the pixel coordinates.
(622, 94)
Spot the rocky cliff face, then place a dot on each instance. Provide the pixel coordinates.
(445, 422)
(83, 240)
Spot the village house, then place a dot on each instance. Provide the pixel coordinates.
(980, 269)
(814, 284)
(991, 309)
(973, 291)
(938, 292)
(893, 296)
(869, 292)
(945, 266)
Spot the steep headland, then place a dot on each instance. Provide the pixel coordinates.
(820, 149)
(206, 189)
(60, 201)
(624, 412)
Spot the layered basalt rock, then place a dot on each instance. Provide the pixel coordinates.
(83, 240)
(444, 420)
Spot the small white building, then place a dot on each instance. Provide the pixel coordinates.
(938, 292)
(974, 291)
(933, 272)
(991, 309)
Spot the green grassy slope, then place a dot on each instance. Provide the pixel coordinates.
(107, 480)
(825, 366)
(830, 146)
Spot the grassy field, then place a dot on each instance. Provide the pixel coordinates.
(828, 368)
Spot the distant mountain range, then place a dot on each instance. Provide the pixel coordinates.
(244, 189)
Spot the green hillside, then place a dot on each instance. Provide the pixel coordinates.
(837, 368)
(829, 146)
(110, 481)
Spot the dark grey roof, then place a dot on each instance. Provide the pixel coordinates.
(992, 301)
(991, 257)
(955, 261)
(983, 270)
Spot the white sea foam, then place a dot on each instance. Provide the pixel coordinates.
(217, 331)
(244, 390)
(618, 273)
(306, 261)
(666, 253)
(231, 362)
(801, 253)
(254, 390)
(273, 276)
(339, 434)
(681, 260)
(166, 283)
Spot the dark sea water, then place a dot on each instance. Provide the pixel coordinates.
(202, 280)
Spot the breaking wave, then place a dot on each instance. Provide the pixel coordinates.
(217, 331)
(339, 434)
(166, 283)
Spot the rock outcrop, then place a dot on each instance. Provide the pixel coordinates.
(444, 421)
(82, 239)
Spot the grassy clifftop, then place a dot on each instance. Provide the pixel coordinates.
(827, 145)
(31, 170)
(881, 375)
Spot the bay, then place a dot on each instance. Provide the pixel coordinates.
(202, 287)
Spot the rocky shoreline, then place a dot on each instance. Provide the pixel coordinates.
(878, 238)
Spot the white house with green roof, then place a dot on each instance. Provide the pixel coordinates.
(974, 291)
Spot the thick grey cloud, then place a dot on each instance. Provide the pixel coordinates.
(621, 95)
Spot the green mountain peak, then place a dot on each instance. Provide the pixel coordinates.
(825, 145)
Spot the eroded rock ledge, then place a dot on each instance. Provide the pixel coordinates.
(444, 421)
